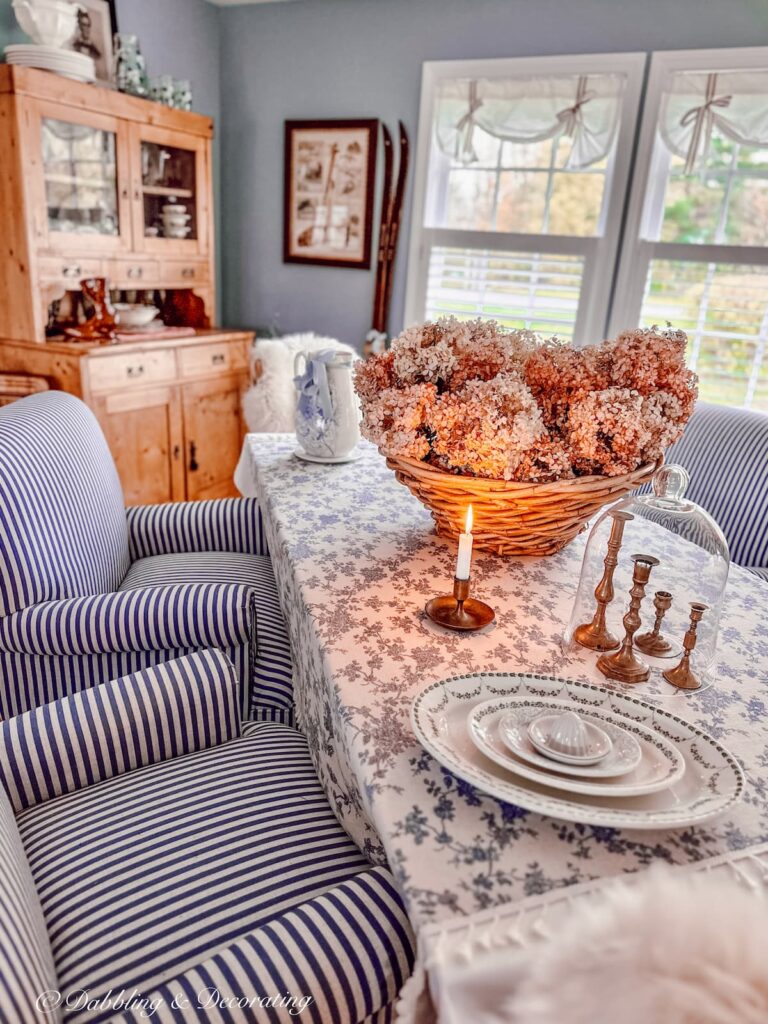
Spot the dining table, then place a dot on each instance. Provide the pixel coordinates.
(356, 558)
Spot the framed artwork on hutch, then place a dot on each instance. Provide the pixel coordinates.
(330, 171)
(96, 29)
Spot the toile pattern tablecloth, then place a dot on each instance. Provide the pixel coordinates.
(356, 559)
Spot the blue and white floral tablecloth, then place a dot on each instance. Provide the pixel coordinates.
(356, 559)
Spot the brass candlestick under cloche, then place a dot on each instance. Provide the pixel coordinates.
(625, 665)
(682, 676)
(595, 634)
(653, 643)
(693, 556)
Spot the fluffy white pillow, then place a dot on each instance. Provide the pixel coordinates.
(673, 948)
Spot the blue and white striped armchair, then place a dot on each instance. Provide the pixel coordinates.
(89, 593)
(155, 849)
(725, 451)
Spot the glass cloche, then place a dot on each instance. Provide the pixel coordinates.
(651, 589)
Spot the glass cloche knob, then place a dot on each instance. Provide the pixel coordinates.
(670, 484)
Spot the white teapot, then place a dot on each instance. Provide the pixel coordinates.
(327, 410)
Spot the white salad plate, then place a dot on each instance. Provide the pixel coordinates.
(514, 732)
(327, 460)
(713, 780)
(656, 763)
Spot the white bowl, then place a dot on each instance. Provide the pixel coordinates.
(177, 232)
(177, 220)
(174, 208)
(48, 22)
(134, 314)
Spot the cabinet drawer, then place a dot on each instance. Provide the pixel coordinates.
(128, 273)
(135, 369)
(56, 268)
(184, 273)
(217, 358)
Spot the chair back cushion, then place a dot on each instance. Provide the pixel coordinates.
(725, 451)
(26, 960)
(63, 531)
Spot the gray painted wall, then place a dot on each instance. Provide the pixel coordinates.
(362, 58)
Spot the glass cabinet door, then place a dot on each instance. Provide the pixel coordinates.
(80, 176)
(80, 189)
(169, 191)
(171, 205)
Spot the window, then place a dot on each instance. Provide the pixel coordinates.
(694, 251)
(521, 177)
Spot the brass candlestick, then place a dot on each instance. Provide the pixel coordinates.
(653, 643)
(682, 676)
(458, 610)
(595, 634)
(625, 665)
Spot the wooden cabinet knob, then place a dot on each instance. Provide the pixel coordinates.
(134, 371)
(193, 466)
(218, 359)
(72, 270)
(188, 272)
(135, 272)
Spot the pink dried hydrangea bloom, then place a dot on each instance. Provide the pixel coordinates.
(471, 398)
(487, 427)
(396, 420)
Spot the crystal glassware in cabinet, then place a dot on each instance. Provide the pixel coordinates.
(130, 66)
(692, 571)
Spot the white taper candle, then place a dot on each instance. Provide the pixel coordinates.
(464, 559)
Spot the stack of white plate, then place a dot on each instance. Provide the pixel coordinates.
(50, 58)
(661, 772)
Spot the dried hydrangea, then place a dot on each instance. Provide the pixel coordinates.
(396, 420)
(475, 399)
(486, 428)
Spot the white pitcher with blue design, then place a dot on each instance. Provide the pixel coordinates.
(327, 410)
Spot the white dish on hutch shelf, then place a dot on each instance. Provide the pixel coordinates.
(712, 783)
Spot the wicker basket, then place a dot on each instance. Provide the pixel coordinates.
(514, 518)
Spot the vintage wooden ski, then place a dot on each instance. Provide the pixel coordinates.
(393, 226)
(383, 247)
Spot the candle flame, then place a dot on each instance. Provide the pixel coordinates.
(468, 524)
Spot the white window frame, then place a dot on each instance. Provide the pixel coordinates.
(599, 252)
(636, 251)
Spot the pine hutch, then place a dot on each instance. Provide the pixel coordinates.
(84, 174)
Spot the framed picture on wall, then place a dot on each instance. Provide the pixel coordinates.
(330, 171)
(96, 28)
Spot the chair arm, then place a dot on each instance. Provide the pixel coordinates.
(150, 619)
(225, 524)
(343, 956)
(156, 714)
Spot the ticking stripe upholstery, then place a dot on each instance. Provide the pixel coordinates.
(26, 961)
(189, 615)
(725, 451)
(66, 544)
(187, 705)
(228, 524)
(30, 680)
(62, 522)
(144, 875)
(272, 669)
(339, 958)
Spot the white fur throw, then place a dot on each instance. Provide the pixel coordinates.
(674, 948)
(269, 405)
